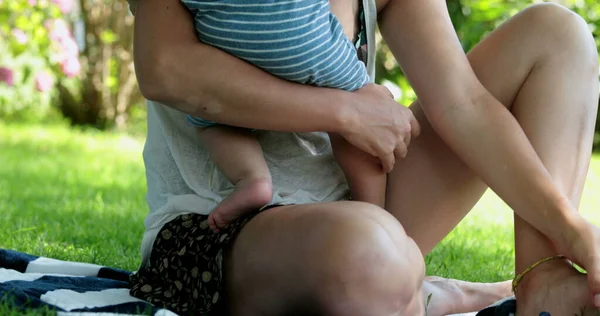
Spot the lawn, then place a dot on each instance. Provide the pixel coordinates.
(80, 195)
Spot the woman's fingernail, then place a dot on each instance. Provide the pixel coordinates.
(597, 300)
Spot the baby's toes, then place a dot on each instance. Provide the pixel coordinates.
(212, 223)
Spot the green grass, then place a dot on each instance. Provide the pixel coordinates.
(481, 246)
(80, 195)
(72, 195)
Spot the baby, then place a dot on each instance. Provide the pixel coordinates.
(297, 40)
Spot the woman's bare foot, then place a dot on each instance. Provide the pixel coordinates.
(449, 296)
(556, 288)
(249, 195)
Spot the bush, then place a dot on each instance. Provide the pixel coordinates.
(44, 70)
(37, 50)
(108, 89)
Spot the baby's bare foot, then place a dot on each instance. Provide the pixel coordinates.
(249, 195)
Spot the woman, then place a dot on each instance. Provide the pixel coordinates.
(517, 113)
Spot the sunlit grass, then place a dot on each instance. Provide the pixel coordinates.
(80, 195)
(481, 247)
(71, 195)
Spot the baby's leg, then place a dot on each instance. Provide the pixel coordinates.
(363, 172)
(239, 157)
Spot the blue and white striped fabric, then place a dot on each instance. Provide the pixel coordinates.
(297, 40)
(70, 288)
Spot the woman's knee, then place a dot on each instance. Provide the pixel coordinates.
(563, 31)
(344, 258)
(372, 266)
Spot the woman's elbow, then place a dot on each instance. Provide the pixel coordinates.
(151, 69)
(439, 113)
(453, 99)
(152, 85)
(159, 79)
(445, 112)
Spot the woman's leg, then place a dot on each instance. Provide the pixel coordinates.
(342, 258)
(542, 65)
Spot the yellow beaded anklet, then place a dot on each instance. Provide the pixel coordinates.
(520, 276)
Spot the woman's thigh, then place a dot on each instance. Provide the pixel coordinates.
(540, 65)
(341, 258)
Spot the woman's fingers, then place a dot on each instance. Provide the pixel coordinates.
(411, 131)
(594, 281)
(582, 246)
(590, 259)
(386, 128)
(406, 139)
(415, 127)
(386, 90)
(401, 150)
(387, 162)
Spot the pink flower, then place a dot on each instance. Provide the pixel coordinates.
(66, 49)
(71, 67)
(70, 47)
(32, 2)
(20, 36)
(65, 6)
(59, 29)
(44, 81)
(7, 76)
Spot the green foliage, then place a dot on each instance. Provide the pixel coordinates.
(32, 58)
(42, 72)
(474, 19)
(108, 92)
(590, 10)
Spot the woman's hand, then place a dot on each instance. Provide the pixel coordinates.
(380, 126)
(580, 242)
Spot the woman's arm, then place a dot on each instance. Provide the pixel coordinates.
(174, 68)
(466, 116)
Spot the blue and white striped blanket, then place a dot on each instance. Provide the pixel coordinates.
(70, 288)
(77, 289)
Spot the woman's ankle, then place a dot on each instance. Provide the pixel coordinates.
(539, 276)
